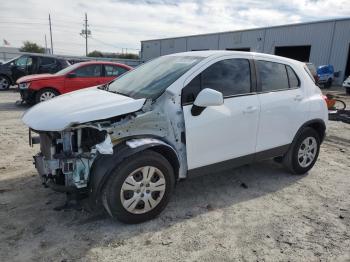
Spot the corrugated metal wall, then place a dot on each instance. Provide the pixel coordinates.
(329, 41)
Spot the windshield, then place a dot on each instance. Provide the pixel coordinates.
(11, 60)
(67, 69)
(152, 78)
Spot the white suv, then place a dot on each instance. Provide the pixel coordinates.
(123, 145)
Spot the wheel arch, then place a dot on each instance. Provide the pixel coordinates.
(104, 164)
(47, 87)
(317, 124)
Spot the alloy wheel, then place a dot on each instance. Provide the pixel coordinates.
(307, 151)
(4, 83)
(47, 95)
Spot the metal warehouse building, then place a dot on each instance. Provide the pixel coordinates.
(321, 42)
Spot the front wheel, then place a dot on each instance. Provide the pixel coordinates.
(45, 94)
(303, 152)
(139, 188)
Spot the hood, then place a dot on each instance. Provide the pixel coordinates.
(79, 107)
(36, 77)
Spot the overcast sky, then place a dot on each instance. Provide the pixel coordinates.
(117, 24)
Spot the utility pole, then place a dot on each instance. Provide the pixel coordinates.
(45, 45)
(86, 33)
(51, 34)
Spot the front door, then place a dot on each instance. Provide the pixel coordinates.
(223, 132)
(21, 67)
(84, 76)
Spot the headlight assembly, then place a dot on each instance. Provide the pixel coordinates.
(24, 85)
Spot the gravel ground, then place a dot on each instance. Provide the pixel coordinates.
(253, 213)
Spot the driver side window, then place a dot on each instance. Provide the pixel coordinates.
(231, 77)
(89, 71)
(23, 61)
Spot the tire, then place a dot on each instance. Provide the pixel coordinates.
(125, 193)
(348, 90)
(45, 94)
(296, 165)
(328, 84)
(5, 83)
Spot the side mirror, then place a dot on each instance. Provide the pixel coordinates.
(206, 97)
(71, 75)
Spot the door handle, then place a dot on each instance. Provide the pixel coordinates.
(250, 109)
(298, 98)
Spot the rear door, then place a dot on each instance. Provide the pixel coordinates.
(223, 132)
(85, 76)
(111, 72)
(47, 65)
(283, 104)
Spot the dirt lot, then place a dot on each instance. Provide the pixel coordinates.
(254, 213)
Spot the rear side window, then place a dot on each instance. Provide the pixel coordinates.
(230, 77)
(111, 70)
(47, 61)
(293, 78)
(89, 71)
(273, 76)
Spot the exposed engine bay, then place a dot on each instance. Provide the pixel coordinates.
(66, 157)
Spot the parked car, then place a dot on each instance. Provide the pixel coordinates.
(346, 85)
(39, 88)
(29, 64)
(125, 145)
(325, 75)
(313, 70)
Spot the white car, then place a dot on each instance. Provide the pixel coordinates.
(124, 145)
(346, 85)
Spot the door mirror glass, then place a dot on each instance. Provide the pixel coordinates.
(209, 97)
(71, 75)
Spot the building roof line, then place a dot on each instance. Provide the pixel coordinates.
(253, 29)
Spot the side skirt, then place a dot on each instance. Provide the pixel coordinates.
(240, 161)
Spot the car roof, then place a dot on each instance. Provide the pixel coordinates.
(102, 62)
(219, 53)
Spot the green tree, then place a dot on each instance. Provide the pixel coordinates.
(128, 56)
(31, 47)
(95, 54)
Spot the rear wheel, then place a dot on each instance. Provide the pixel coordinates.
(139, 188)
(303, 153)
(4, 83)
(45, 94)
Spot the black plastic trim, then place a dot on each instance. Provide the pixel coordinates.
(240, 161)
(197, 110)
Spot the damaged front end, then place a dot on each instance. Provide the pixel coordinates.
(66, 157)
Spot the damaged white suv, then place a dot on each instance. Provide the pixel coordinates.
(125, 144)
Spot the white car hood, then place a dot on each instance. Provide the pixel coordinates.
(79, 107)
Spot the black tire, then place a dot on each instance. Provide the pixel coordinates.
(348, 90)
(111, 195)
(328, 84)
(290, 160)
(5, 83)
(42, 92)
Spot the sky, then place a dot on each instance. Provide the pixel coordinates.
(120, 25)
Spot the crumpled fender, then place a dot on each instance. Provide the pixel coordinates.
(104, 164)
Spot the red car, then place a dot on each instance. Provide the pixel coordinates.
(38, 88)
